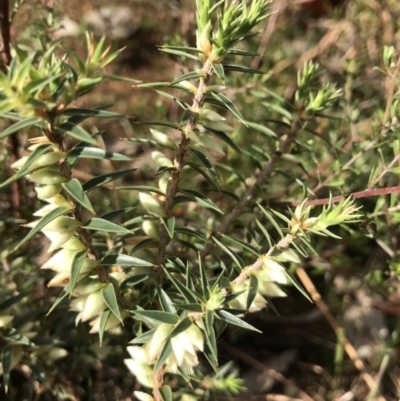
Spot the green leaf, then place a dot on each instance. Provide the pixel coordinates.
(179, 53)
(198, 308)
(211, 181)
(175, 99)
(15, 337)
(182, 326)
(74, 188)
(98, 224)
(252, 291)
(223, 136)
(240, 68)
(234, 320)
(25, 123)
(124, 260)
(202, 200)
(13, 300)
(113, 77)
(157, 122)
(77, 264)
(142, 188)
(229, 104)
(265, 232)
(6, 361)
(105, 178)
(165, 353)
(91, 113)
(39, 151)
(49, 217)
(165, 301)
(103, 323)
(189, 296)
(110, 299)
(264, 130)
(219, 71)
(205, 162)
(239, 52)
(65, 291)
(135, 280)
(38, 369)
(229, 252)
(203, 279)
(166, 393)
(169, 225)
(243, 244)
(159, 316)
(144, 338)
(187, 77)
(116, 213)
(191, 233)
(143, 244)
(97, 153)
(76, 132)
(271, 219)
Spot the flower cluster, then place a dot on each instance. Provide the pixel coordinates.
(183, 352)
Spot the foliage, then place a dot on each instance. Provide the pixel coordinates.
(204, 241)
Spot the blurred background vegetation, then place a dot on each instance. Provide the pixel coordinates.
(303, 344)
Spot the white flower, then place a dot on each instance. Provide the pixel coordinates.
(272, 271)
(112, 322)
(89, 306)
(240, 302)
(184, 347)
(139, 366)
(141, 396)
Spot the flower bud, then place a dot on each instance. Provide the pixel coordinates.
(163, 139)
(48, 191)
(139, 366)
(161, 159)
(151, 228)
(48, 176)
(88, 305)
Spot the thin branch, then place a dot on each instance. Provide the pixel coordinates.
(173, 182)
(5, 35)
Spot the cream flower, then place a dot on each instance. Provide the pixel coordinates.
(139, 366)
(240, 302)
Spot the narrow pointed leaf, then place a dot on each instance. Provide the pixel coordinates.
(124, 261)
(105, 178)
(77, 132)
(165, 353)
(205, 162)
(142, 188)
(252, 291)
(202, 200)
(165, 301)
(49, 217)
(98, 224)
(103, 323)
(6, 360)
(240, 68)
(224, 137)
(143, 338)
(157, 122)
(90, 113)
(234, 320)
(182, 326)
(74, 188)
(110, 299)
(159, 316)
(189, 296)
(179, 53)
(97, 153)
(186, 77)
(77, 263)
(219, 71)
(169, 225)
(229, 104)
(20, 125)
(229, 252)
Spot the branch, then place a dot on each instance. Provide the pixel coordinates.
(173, 182)
(5, 35)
